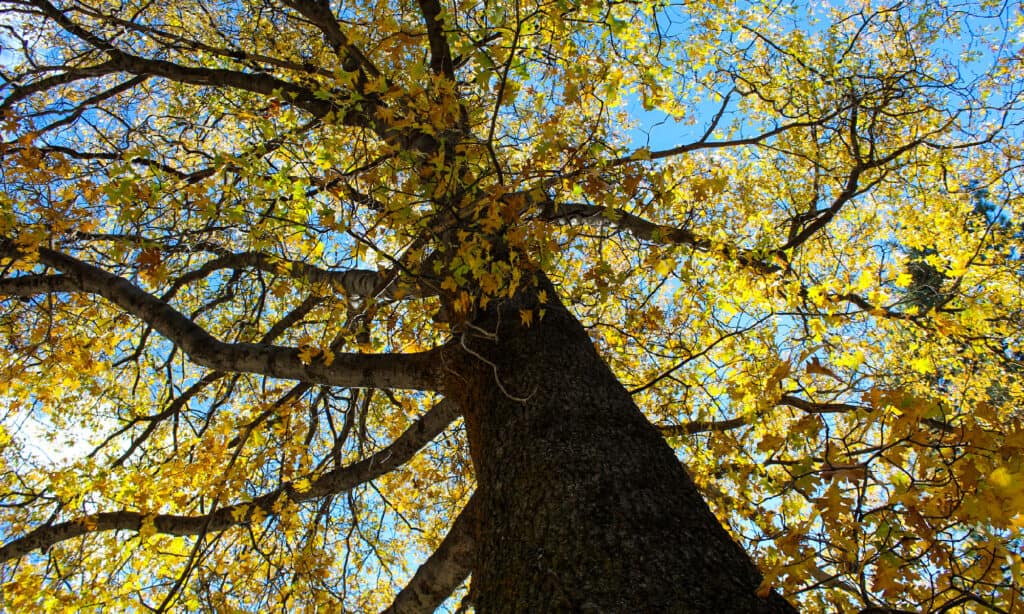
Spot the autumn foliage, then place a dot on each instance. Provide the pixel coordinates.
(236, 236)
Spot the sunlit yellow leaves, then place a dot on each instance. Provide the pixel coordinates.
(922, 364)
(899, 406)
(864, 281)
(664, 266)
(1001, 495)
(851, 360)
(1017, 525)
(904, 280)
(818, 328)
(705, 188)
(817, 295)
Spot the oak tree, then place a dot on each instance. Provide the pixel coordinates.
(526, 305)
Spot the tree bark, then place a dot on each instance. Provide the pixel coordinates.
(583, 506)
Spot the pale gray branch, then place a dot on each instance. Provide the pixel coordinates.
(333, 482)
(444, 570)
(409, 371)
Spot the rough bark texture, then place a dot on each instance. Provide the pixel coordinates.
(584, 507)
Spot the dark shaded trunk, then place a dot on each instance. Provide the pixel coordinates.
(584, 507)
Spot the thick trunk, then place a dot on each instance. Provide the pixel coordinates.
(584, 507)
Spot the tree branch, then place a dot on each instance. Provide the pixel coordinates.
(363, 283)
(428, 426)
(701, 426)
(444, 570)
(821, 218)
(440, 53)
(551, 211)
(28, 286)
(356, 111)
(410, 371)
(812, 407)
(704, 143)
(319, 13)
(707, 426)
(253, 82)
(22, 92)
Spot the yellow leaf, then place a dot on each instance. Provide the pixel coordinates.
(1001, 478)
(463, 302)
(665, 266)
(306, 354)
(492, 222)
(148, 526)
(526, 315)
(815, 367)
(178, 547)
(643, 153)
(922, 365)
(258, 515)
(704, 188)
(816, 294)
(853, 360)
(864, 281)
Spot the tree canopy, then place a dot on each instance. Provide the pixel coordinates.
(237, 236)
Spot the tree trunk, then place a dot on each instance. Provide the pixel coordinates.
(584, 507)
